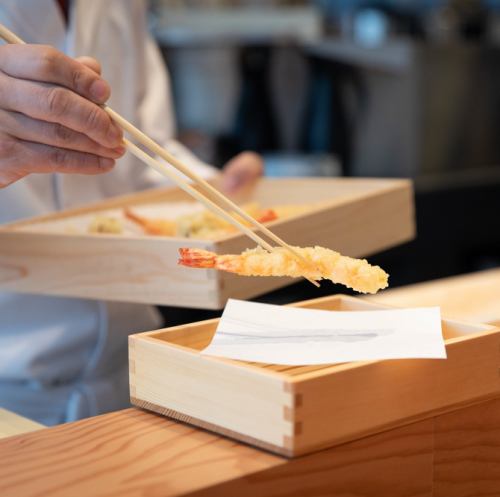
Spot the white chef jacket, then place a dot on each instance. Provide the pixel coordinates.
(63, 359)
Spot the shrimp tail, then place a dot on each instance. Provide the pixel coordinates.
(157, 227)
(197, 258)
(267, 215)
(134, 217)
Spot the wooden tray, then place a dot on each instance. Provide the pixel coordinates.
(297, 410)
(358, 217)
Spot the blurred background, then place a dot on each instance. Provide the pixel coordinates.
(386, 88)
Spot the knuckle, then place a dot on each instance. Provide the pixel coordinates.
(47, 61)
(59, 157)
(57, 101)
(95, 120)
(65, 161)
(78, 80)
(62, 134)
(8, 148)
(90, 163)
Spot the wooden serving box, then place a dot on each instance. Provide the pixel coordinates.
(297, 410)
(357, 217)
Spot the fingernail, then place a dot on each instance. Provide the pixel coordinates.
(99, 90)
(120, 150)
(105, 163)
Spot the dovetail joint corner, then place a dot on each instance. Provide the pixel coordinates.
(288, 443)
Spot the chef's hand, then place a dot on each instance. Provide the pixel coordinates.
(49, 117)
(242, 170)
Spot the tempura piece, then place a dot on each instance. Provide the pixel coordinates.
(203, 224)
(321, 263)
(106, 224)
(157, 227)
(206, 225)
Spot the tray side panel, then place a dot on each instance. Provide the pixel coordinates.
(153, 195)
(283, 191)
(211, 427)
(355, 402)
(107, 268)
(222, 395)
(361, 216)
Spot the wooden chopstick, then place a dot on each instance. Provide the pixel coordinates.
(184, 185)
(207, 187)
(11, 37)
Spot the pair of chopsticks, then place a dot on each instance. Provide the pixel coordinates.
(205, 188)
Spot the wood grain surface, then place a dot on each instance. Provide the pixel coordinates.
(357, 217)
(467, 455)
(134, 453)
(256, 403)
(473, 297)
(127, 453)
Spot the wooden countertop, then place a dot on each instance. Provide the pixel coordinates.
(136, 453)
(474, 297)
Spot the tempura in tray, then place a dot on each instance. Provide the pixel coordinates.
(152, 226)
(319, 263)
(207, 225)
(106, 224)
(200, 224)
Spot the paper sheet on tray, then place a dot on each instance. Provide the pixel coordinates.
(272, 334)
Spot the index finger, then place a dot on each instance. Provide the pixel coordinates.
(48, 65)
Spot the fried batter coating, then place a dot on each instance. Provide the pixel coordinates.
(204, 224)
(321, 263)
(106, 224)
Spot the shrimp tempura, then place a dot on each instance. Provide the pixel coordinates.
(321, 263)
(157, 227)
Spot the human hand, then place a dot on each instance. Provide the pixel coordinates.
(50, 118)
(242, 170)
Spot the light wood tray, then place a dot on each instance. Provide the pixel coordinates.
(357, 217)
(297, 410)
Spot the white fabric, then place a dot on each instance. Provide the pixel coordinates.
(62, 359)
